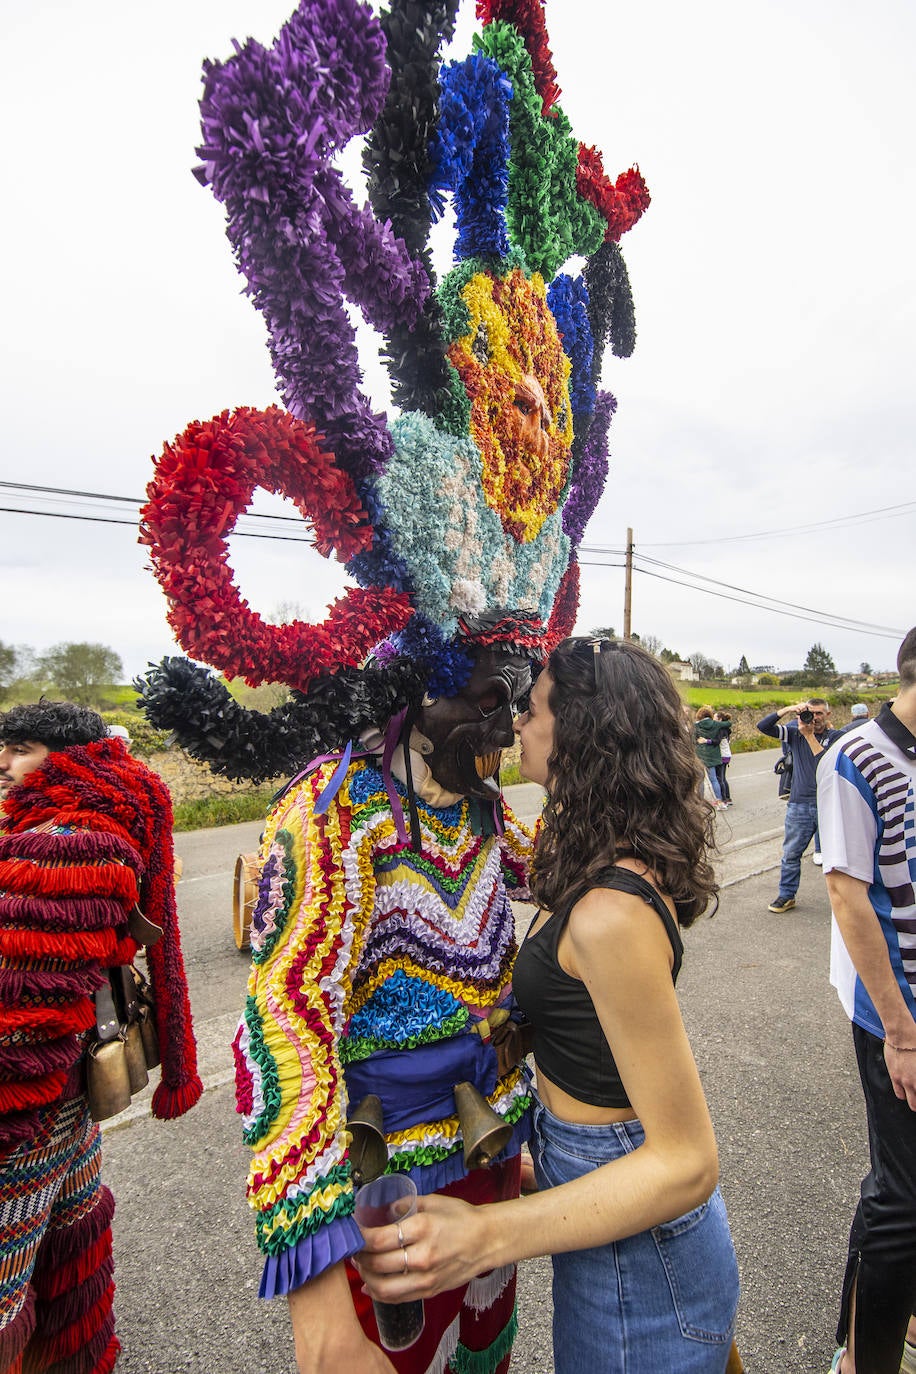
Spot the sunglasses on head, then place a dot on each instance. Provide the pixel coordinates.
(598, 647)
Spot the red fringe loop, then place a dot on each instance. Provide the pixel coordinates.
(36, 1092)
(52, 1283)
(171, 1102)
(70, 1307)
(60, 1245)
(51, 1022)
(69, 880)
(76, 947)
(80, 1332)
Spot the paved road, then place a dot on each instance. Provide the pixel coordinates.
(772, 1045)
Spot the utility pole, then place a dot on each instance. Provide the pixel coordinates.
(628, 586)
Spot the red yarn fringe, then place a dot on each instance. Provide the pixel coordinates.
(61, 1312)
(171, 1101)
(69, 880)
(80, 1332)
(60, 1245)
(76, 947)
(49, 1021)
(16, 1334)
(35, 1092)
(51, 1284)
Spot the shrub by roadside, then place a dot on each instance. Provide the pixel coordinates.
(207, 812)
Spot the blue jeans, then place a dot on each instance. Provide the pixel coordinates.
(661, 1302)
(801, 823)
(714, 781)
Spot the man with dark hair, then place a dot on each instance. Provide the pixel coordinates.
(85, 876)
(807, 736)
(31, 732)
(866, 799)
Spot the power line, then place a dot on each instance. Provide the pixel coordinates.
(838, 521)
(773, 610)
(776, 607)
(850, 623)
(888, 512)
(111, 520)
(128, 500)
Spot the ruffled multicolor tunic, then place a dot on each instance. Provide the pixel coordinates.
(372, 964)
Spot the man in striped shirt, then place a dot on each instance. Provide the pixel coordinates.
(866, 800)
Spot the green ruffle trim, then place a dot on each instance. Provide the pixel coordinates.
(283, 1236)
(545, 214)
(352, 1050)
(434, 873)
(270, 1081)
(289, 891)
(411, 1157)
(466, 1361)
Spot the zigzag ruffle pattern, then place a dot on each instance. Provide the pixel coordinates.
(360, 944)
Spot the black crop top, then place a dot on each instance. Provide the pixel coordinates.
(569, 1044)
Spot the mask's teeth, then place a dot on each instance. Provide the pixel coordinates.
(487, 764)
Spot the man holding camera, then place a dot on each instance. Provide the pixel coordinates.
(807, 734)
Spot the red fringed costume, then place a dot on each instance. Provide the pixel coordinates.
(86, 837)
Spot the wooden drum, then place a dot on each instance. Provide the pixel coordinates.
(244, 896)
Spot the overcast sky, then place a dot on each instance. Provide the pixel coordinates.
(774, 280)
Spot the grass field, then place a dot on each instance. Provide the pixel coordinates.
(222, 810)
(768, 698)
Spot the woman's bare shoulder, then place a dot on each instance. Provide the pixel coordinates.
(604, 917)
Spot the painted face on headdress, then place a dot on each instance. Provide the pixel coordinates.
(469, 731)
(516, 375)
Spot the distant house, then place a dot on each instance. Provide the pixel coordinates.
(681, 671)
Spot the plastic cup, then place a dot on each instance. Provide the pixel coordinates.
(389, 1199)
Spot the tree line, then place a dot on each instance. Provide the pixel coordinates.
(818, 670)
(78, 672)
(85, 672)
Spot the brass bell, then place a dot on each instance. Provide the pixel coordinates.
(368, 1152)
(483, 1130)
(149, 1037)
(107, 1079)
(136, 1057)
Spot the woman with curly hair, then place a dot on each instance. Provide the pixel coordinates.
(645, 1277)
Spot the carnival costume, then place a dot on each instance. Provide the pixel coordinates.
(87, 839)
(383, 935)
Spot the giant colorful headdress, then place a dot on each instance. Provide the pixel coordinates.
(457, 529)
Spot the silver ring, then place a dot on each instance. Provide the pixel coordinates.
(400, 1236)
(406, 1260)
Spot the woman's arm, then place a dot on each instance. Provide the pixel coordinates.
(623, 955)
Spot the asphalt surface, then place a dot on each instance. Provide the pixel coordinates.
(774, 1052)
